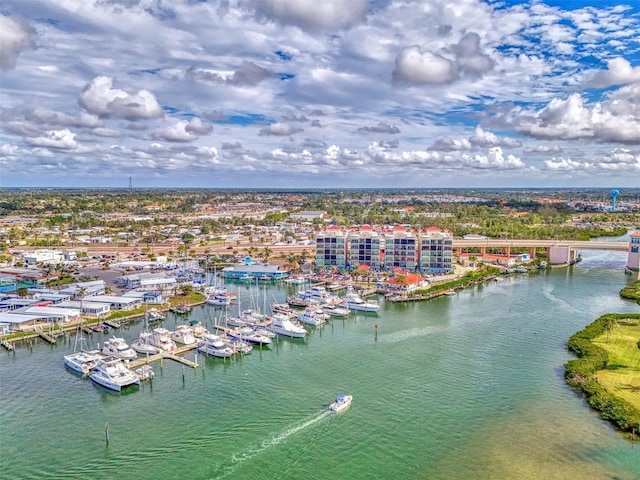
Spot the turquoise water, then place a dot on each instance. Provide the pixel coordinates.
(469, 386)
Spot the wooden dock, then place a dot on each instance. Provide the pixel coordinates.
(48, 338)
(170, 355)
(8, 345)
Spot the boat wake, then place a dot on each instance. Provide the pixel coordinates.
(410, 333)
(547, 291)
(257, 448)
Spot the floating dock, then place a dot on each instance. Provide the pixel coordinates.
(162, 355)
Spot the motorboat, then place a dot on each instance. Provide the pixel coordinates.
(198, 329)
(161, 337)
(183, 335)
(82, 362)
(281, 308)
(238, 345)
(181, 309)
(113, 374)
(335, 311)
(311, 317)
(282, 325)
(341, 403)
(249, 334)
(117, 347)
(145, 372)
(213, 345)
(142, 345)
(353, 301)
(153, 315)
(218, 300)
(450, 293)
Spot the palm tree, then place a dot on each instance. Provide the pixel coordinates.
(610, 323)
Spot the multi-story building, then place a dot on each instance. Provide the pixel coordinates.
(365, 248)
(331, 248)
(436, 251)
(633, 259)
(401, 250)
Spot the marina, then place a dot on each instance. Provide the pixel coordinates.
(425, 370)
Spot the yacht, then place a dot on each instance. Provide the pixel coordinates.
(198, 329)
(153, 315)
(311, 317)
(250, 335)
(218, 300)
(117, 347)
(335, 311)
(213, 345)
(183, 335)
(142, 345)
(353, 301)
(282, 325)
(161, 337)
(341, 403)
(112, 373)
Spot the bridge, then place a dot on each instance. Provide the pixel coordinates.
(461, 243)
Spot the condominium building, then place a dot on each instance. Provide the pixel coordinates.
(365, 248)
(401, 249)
(331, 248)
(436, 251)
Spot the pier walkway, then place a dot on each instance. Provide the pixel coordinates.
(170, 355)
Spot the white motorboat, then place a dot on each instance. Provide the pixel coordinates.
(142, 345)
(450, 293)
(282, 325)
(83, 361)
(145, 372)
(341, 403)
(113, 374)
(117, 347)
(214, 345)
(250, 335)
(153, 315)
(218, 300)
(198, 329)
(183, 335)
(311, 317)
(353, 301)
(335, 311)
(161, 337)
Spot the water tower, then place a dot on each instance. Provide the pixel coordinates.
(613, 194)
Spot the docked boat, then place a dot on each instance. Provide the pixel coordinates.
(353, 301)
(341, 403)
(282, 325)
(183, 335)
(153, 315)
(113, 374)
(335, 311)
(118, 347)
(83, 361)
(450, 293)
(311, 317)
(218, 300)
(142, 345)
(181, 309)
(213, 345)
(161, 337)
(145, 372)
(250, 335)
(198, 329)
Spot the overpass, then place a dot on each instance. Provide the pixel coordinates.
(461, 243)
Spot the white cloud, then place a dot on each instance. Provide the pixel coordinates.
(619, 72)
(414, 66)
(483, 138)
(279, 130)
(61, 139)
(15, 38)
(313, 14)
(100, 98)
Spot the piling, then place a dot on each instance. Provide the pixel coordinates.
(106, 432)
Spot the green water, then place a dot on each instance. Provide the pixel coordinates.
(458, 387)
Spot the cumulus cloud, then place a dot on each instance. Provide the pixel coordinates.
(418, 67)
(247, 75)
(619, 72)
(279, 130)
(483, 138)
(381, 127)
(313, 14)
(448, 144)
(15, 38)
(101, 99)
(183, 131)
(60, 139)
(555, 148)
(566, 165)
(572, 119)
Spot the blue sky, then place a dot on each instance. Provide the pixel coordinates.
(319, 93)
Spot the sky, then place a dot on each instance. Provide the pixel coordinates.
(319, 93)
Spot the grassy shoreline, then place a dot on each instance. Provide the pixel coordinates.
(631, 292)
(607, 370)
